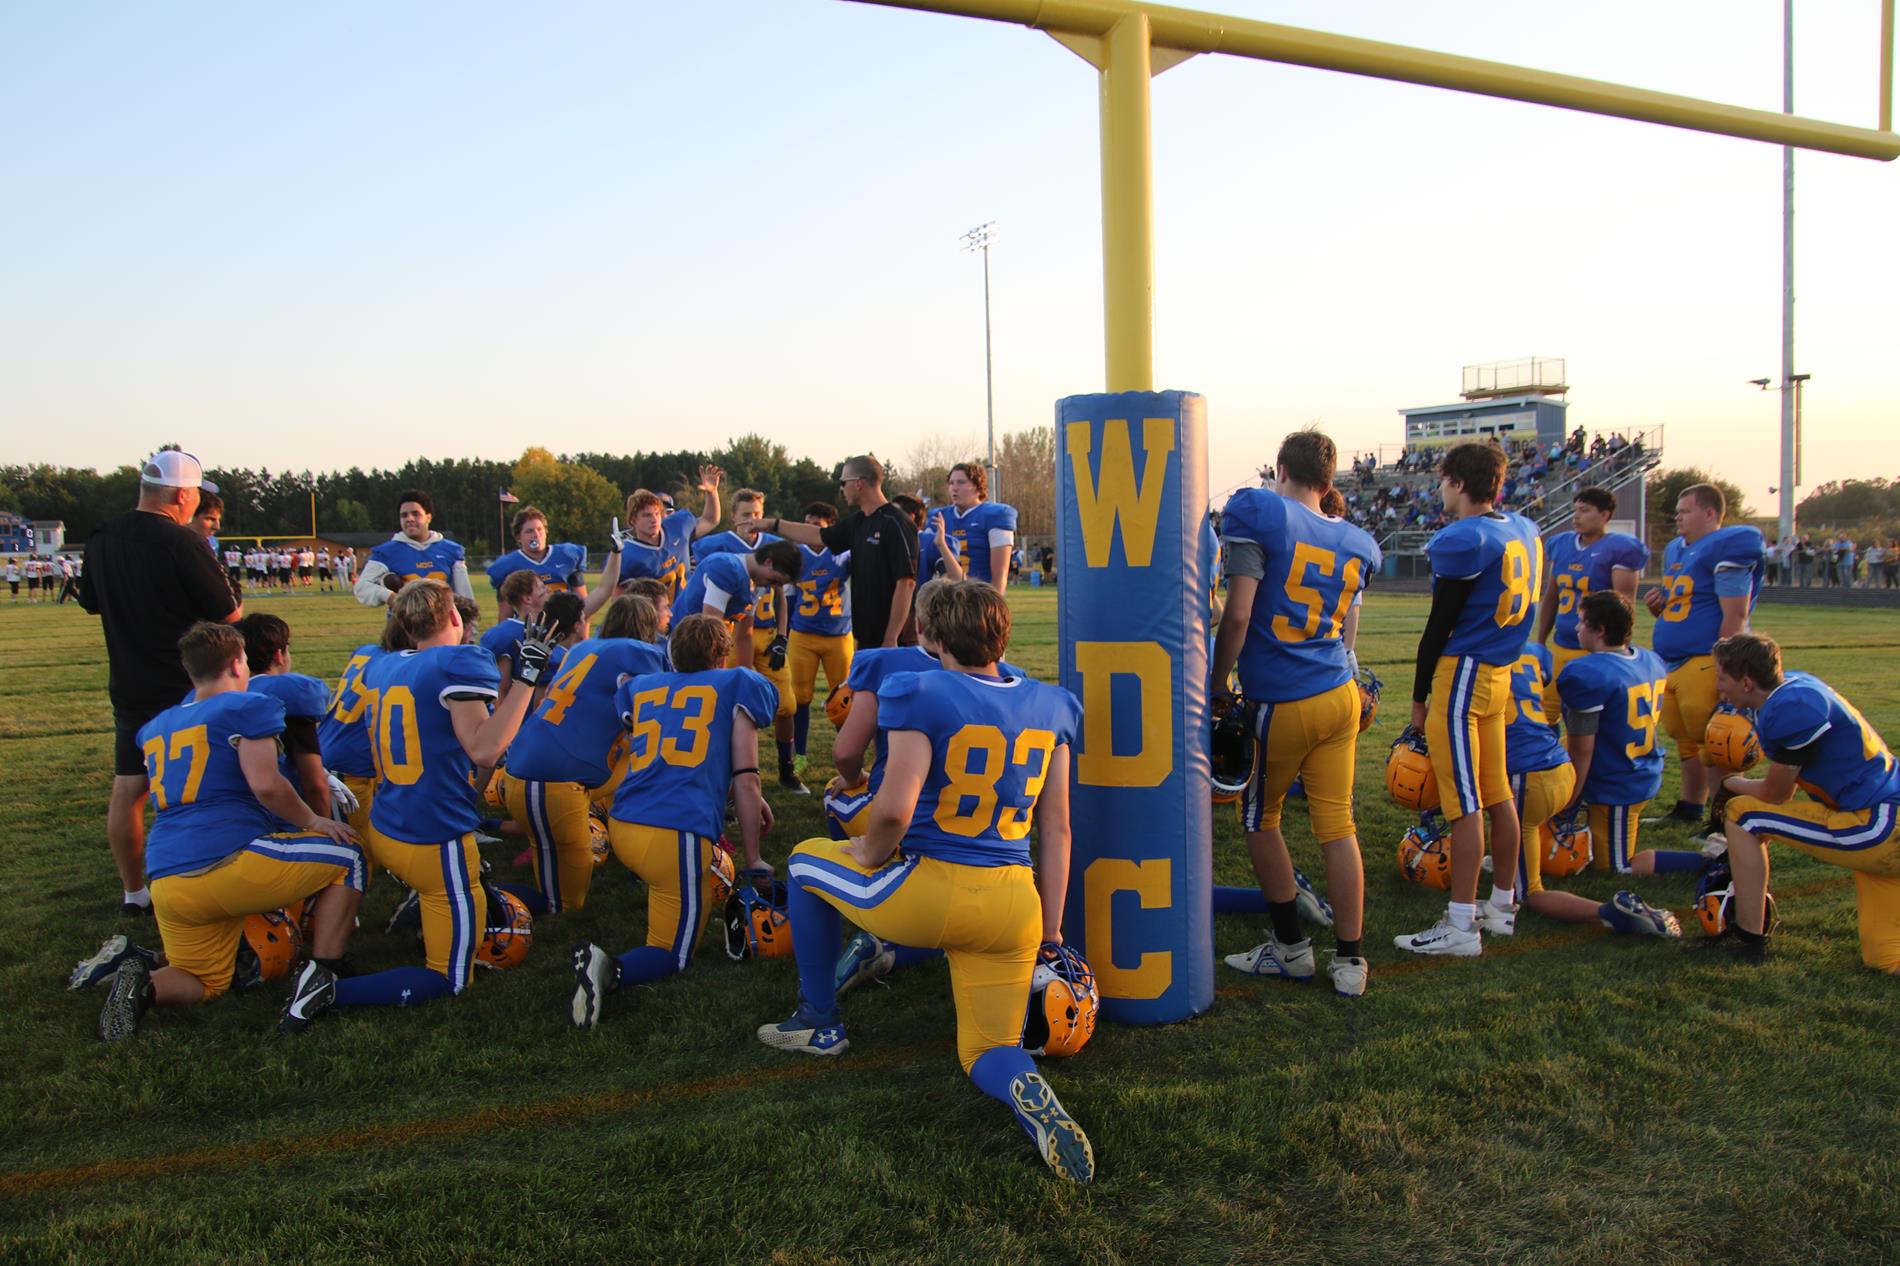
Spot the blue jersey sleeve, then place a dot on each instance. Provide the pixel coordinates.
(1629, 552)
(255, 716)
(1792, 719)
(1582, 689)
(1002, 518)
(304, 697)
(757, 697)
(469, 670)
(500, 570)
(500, 640)
(898, 703)
(1457, 552)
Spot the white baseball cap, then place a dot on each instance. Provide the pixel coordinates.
(175, 469)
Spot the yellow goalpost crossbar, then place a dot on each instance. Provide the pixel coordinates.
(1129, 42)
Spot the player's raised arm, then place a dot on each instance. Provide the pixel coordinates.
(709, 510)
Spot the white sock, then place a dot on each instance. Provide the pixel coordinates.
(1503, 898)
(143, 897)
(1464, 915)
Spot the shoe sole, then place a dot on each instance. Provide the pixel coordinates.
(119, 1018)
(1475, 951)
(584, 1009)
(1063, 1146)
(1307, 979)
(799, 1040)
(289, 1025)
(89, 972)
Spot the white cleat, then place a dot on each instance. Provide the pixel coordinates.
(1443, 937)
(1349, 976)
(1497, 920)
(1288, 962)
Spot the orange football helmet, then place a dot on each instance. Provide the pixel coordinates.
(838, 705)
(1715, 902)
(756, 924)
(1425, 856)
(494, 804)
(509, 933)
(1370, 687)
(1063, 1003)
(725, 874)
(1409, 779)
(1230, 753)
(597, 835)
(269, 948)
(1571, 847)
(1730, 742)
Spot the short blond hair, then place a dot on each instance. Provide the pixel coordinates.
(421, 609)
(970, 620)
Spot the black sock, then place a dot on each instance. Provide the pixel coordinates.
(784, 757)
(1690, 807)
(1750, 938)
(1286, 921)
(1349, 949)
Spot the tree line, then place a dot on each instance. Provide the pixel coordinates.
(580, 492)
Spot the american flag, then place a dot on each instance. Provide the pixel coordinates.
(508, 498)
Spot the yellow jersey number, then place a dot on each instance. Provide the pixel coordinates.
(396, 714)
(973, 764)
(812, 599)
(1571, 589)
(352, 698)
(695, 706)
(194, 743)
(1644, 709)
(561, 693)
(1522, 570)
(1312, 558)
(1532, 709)
(1681, 594)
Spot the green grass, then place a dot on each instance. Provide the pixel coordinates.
(1570, 1097)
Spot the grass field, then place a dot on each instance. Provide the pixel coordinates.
(1569, 1097)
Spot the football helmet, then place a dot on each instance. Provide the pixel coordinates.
(1409, 779)
(756, 924)
(494, 803)
(1715, 902)
(1062, 1003)
(1370, 688)
(269, 948)
(1230, 753)
(509, 933)
(1425, 855)
(597, 835)
(838, 705)
(725, 874)
(1571, 847)
(1730, 742)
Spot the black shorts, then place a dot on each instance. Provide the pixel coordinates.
(15, 584)
(127, 759)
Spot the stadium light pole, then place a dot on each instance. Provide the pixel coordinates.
(979, 239)
(1789, 390)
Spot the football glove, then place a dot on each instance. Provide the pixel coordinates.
(532, 654)
(342, 800)
(618, 537)
(776, 657)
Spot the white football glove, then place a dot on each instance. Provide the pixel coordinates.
(618, 537)
(343, 801)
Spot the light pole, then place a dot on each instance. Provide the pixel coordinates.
(1790, 390)
(1791, 473)
(979, 239)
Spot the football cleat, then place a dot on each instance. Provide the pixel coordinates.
(1497, 920)
(133, 910)
(865, 958)
(1409, 779)
(1370, 688)
(1443, 937)
(127, 1001)
(1312, 907)
(510, 931)
(1230, 753)
(1629, 915)
(1425, 855)
(1571, 846)
(1063, 1003)
(1688, 814)
(1059, 1140)
(596, 974)
(111, 956)
(1730, 742)
(310, 997)
(838, 705)
(1349, 976)
(805, 1035)
(1273, 958)
(408, 911)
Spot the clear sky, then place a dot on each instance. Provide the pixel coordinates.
(315, 236)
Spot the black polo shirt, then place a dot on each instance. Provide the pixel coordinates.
(883, 547)
(148, 580)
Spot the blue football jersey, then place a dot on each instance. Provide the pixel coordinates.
(670, 560)
(344, 733)
(568, 736)
(407, 561)
(1578, 570)
(1727, 563)
(724, 572)
(206, 810)
(1625, 689)
(564, 563)
(870, 668)
(728, 542)
(679, 758)
(1505, 555)
(425, 781)
(824, 593)
(304, 699)
(929, 557)
(1843, 762)
(1530, 737)
(1316, 568)
(973, 533)
(991, 741)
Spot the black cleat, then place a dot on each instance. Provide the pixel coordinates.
(312, 995)
(788, 780)
(129, 1000)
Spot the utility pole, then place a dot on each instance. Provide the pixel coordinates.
(979, 239)
(1789, 388)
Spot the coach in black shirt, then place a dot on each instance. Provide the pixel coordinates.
(149, 578)
(883, 545)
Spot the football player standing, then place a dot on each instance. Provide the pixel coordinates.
(1294, 580)
(980, 532)
(1585, 560)
(659, 545)
(417, 552)
(974, 756)
(821, 627)
(561, 567)
(1486, 568)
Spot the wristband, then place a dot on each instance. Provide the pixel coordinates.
(753, 770)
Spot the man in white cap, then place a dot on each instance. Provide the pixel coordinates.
(148, 578)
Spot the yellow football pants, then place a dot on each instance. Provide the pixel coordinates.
(808, 651)
(1317, 740)
(986, 919)
(447, 879)
(1540, 793)
(1613, 829)
(1464, 728)
(1689, 700)
(677, 868)
(780, 676)
(1865, 841)
(555, 814)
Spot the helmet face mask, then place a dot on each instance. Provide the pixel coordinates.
(1370, 688)
(510, 931)
(1063, 1004)
(1425, 856)
(1230, 753)
(756, 924)
(1571, 848)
